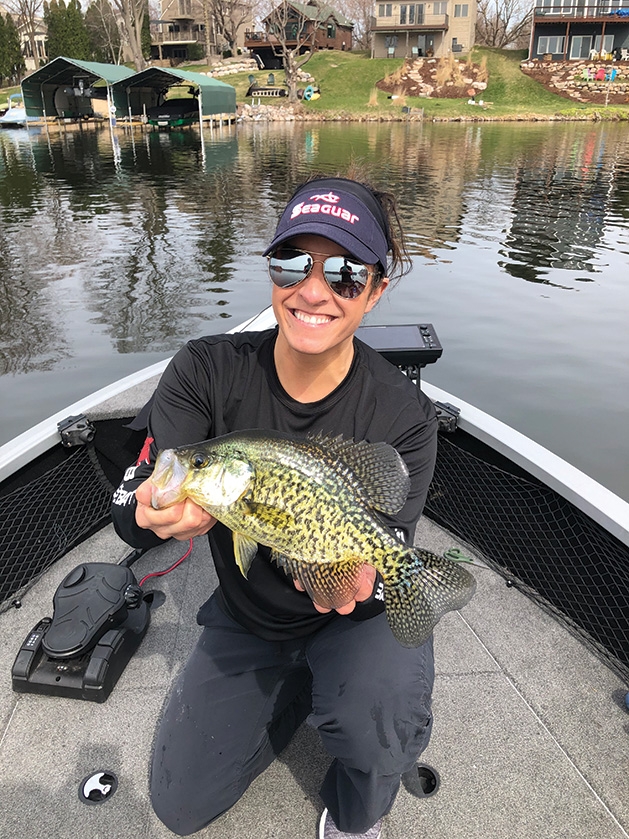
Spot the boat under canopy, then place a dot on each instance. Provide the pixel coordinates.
(65, 87)
(135, 95)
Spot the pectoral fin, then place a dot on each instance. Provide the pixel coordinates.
(329, 584)
(244, 550)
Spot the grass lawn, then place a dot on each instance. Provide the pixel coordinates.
(347, 82)
(5, 92)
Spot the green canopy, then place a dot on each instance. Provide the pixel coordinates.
(39, 88)
(144, 89)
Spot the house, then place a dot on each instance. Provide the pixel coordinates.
(436, 28)
(303, 26)
(179, 33)
(33, 35)
(586, 29)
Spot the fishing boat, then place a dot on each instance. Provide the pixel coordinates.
(15, 114)
(530, 734)
(174, 113)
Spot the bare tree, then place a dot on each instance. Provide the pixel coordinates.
(292, 33)
(230, 16)
(503, 23)
(360, 12)
(27, 13)
(132, 14)
(104, 33)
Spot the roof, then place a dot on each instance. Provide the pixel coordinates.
(317, 12)
(216, 97)
(56, 69)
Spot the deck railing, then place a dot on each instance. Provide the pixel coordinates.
(186, 35)
(402, 22)
(582, 11)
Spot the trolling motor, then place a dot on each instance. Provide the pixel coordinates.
(99, 619)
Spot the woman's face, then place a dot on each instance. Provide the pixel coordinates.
(313, 319)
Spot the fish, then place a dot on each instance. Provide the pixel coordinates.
(316, 503)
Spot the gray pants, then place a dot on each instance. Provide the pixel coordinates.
(239, 700)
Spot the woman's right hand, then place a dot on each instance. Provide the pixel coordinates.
(181, 521)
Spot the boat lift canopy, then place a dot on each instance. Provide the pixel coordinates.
(39, 88)
(134, 94)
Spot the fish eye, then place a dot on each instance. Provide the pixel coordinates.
(199, 460)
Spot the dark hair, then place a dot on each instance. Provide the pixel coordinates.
(386, 213)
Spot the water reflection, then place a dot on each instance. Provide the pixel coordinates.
(560, 204)
(157, 239)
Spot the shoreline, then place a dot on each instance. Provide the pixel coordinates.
(270, 113)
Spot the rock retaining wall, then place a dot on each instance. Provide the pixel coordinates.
(575, 80)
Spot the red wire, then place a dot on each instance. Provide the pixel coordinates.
(168, 570)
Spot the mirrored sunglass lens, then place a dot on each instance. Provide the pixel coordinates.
(346, 277)
(289, 267)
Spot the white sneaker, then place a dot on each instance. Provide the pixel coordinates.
(328, 830)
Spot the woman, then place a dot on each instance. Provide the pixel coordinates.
(268, 657)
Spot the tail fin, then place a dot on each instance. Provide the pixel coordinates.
(426, 587)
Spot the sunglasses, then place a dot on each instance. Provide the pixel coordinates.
(346, 277)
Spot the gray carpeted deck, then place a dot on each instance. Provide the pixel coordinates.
(530, 737)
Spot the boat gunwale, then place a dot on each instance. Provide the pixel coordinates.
(599, 503)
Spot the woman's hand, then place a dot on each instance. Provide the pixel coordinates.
(181, 521)
(365, 590)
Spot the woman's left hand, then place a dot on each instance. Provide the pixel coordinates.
(365, 590)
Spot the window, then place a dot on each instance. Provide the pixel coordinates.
(385, 10)
(412, 14)
(608, 43)
(440, 8)
(550, 44)
(331, 30)
(461, 10)
(580, 46)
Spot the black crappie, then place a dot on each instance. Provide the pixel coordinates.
(312, 502)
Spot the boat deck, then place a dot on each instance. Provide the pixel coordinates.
(530, 735)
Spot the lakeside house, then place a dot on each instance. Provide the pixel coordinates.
(403, 30)
(302, 26)
(180, 32)
(587, 29)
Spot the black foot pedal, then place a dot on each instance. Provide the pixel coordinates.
(98, 622)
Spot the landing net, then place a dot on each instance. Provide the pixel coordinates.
(43, 520)
(553, 552)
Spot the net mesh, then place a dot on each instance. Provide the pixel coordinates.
(44, 519)
(527, 532)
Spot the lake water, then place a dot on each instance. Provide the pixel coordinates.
(111, 257)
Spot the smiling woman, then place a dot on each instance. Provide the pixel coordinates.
(226, 720)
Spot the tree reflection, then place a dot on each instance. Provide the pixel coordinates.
(160, 243)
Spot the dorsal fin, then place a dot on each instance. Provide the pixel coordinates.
(378, 466)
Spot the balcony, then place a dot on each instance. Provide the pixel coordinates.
(582, 12)
(256, 40)
(187, 36)
(424, 23)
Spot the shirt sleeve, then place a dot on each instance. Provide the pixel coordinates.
(180, 414)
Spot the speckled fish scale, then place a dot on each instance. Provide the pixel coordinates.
(312, 502)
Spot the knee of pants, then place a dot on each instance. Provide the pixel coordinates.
(183, 807)
(383, 735)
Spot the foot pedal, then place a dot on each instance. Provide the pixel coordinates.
(99, 620)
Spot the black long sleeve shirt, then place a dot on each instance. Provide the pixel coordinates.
(225, 383)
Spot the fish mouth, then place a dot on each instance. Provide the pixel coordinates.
(167, 480)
